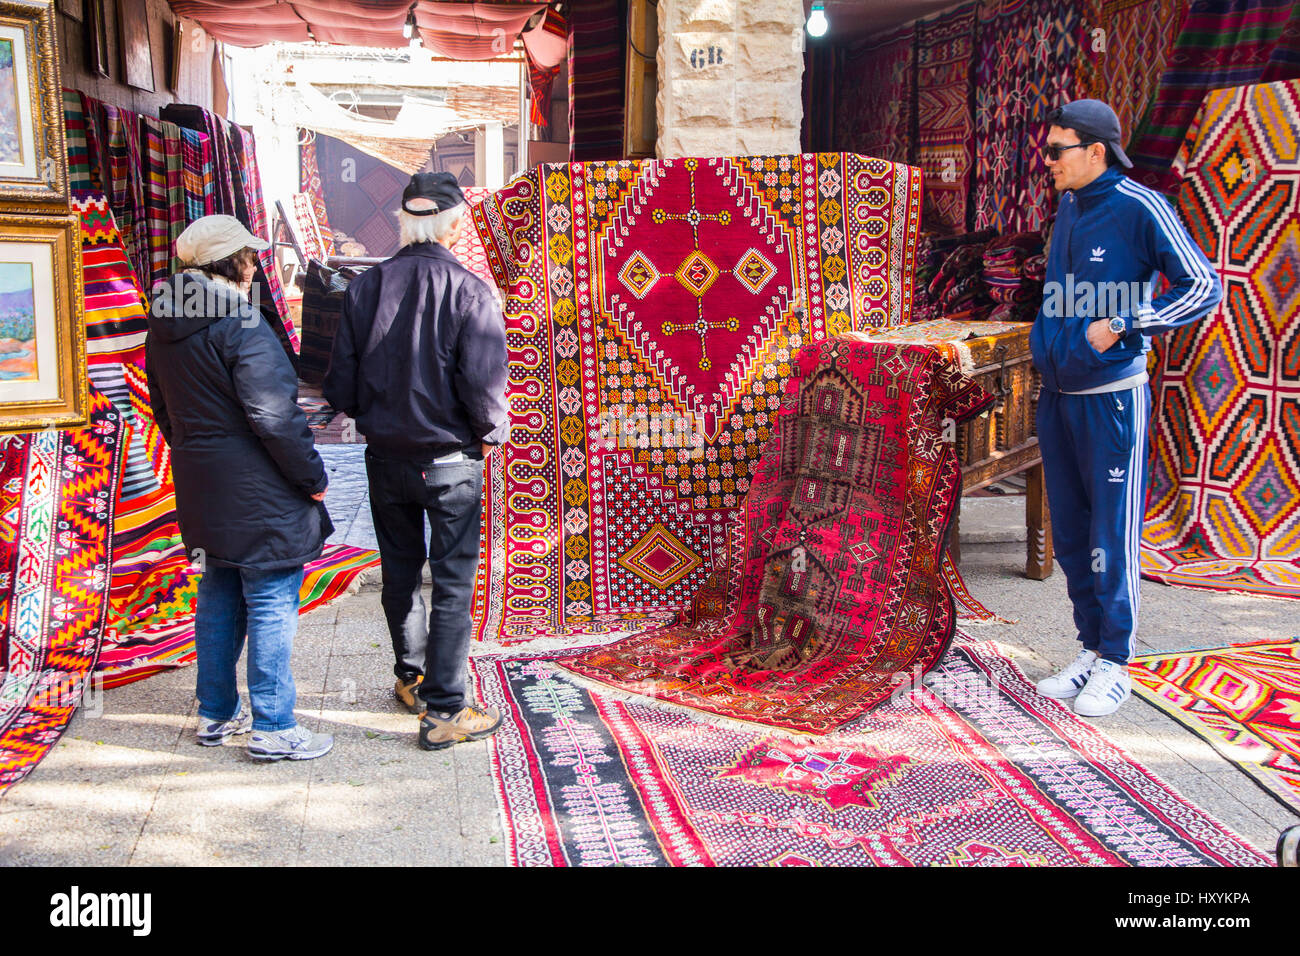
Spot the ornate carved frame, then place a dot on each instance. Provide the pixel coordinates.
(49, 187)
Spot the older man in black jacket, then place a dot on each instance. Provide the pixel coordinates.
(420, 362)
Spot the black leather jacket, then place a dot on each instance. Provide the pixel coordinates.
(419, 359)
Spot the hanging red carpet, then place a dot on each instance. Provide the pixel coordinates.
(1224, 507)
(652, 310)
(1025, 65)
(56, 512)
(945, 47)
(1243, 699)
(835, 584)
(973, 769)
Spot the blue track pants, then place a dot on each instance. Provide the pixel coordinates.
(1094, 462)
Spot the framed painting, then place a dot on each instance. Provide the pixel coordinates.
(96, 33)
(42, 329)
(33, 161)
(133, 38)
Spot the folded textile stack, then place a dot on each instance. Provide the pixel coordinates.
(947, 281)
(1009, 284)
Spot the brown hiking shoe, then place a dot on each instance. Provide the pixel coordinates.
(471, 722)
(404, 691)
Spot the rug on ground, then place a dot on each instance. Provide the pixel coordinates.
(834, 584)
(973, 768)
(56, 511)
(652, 310)
(1243, 699)
(1225, 477)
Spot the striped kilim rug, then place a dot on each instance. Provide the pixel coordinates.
(1243, 699)
(56, 516)
(972, 769)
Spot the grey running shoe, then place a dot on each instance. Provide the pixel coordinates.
(296, 743)
(211, 733)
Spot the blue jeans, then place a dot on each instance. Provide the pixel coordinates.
(264, 605)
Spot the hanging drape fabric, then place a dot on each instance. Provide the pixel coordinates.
(875, 112)
(1223, 43)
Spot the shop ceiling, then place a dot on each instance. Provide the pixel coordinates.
(467, 31)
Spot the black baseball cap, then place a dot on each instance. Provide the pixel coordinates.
(1092, 120)
(439, 188)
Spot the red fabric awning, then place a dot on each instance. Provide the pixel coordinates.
(464, 31)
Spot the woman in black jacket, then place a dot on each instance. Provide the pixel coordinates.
(248, 483)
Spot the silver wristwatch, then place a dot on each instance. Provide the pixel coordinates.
(1118, 325)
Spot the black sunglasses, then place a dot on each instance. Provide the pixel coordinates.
(1054, 152)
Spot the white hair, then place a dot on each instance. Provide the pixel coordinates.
(433, 228)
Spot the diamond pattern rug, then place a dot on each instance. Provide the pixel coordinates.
(1243, 699)
(652, 312)
(1224, 506)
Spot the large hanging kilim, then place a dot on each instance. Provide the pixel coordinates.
(596, 57)
(652, 309)
(1223, 43)
(972, 769)
(875, 116)
(1123, 65)
(944, 147)
(834, 585)
(1243, 699)
(56, 512)
(1024, 67)
(1224, 507)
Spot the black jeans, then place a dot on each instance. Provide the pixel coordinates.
(402, 493)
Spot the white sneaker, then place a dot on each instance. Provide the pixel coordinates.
(1065, 683)
(1108, 687)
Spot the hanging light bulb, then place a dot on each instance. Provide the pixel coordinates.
(409, 27)
(817, 22)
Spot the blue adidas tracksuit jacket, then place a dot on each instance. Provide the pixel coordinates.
(1110, 240)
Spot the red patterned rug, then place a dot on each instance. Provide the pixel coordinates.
(652, 310)
(835, 584)
(1243, 699)
(972, 769)
(56, 512)
(1224, 506)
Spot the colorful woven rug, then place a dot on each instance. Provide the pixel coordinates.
(1125, 70)
(1224, 507)
(945, 47)
(652, 309)
(972, 769)
(875, 119)
(1243, 699)
(1223, 43)
(834, 586)
(1025, 66)
(56, 512)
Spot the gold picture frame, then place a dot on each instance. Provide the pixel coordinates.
(33, 153)
(43, 380)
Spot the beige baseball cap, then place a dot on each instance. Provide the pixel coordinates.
(215, 237)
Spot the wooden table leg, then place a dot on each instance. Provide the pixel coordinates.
(1038, 526)
(954, 534)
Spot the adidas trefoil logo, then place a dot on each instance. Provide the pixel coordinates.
(1097, 255)
(1117, 475)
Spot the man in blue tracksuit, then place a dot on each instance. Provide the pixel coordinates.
(1089, 343)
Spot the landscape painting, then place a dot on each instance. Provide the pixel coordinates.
(11, 147)
(17, 322)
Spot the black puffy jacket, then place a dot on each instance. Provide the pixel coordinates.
(225, 397)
